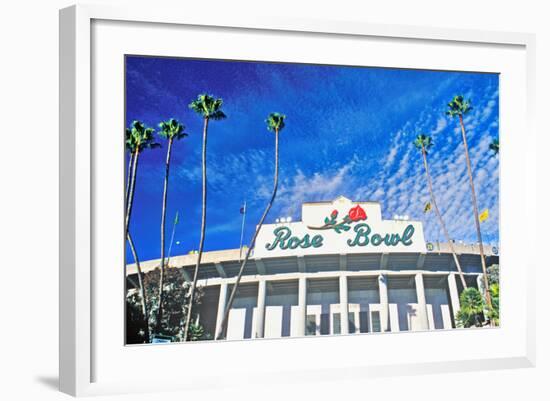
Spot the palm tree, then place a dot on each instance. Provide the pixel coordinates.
(424, 143)
(458, 107)
(143, 296)
(209, 108)
(471, 309)
(137, 138)
(169, 130)
(130, 148)
(275, 123)
(129, 144)
(495, 146)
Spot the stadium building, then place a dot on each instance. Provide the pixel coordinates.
(341, 270)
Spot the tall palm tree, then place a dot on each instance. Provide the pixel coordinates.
(130, 148)
(495, 146)
(142, 293)
(275, 123)
(471, 309)
(137, 138)
(424, 143)
(458, 107)
(170, 130)
(209, 108)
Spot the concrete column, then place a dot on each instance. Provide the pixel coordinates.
(344, 308)
(221, 306)
(453, 294)
(302, 306)
(260, 309)
(421, 298)
(384, 304)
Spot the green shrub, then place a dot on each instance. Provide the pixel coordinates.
(471, 308)
(176, 302)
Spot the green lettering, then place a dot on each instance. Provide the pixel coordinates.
(392, 239)
(281, 235)
(285, 240)
(304, 243)
(293, 242)
(407, 235)
(376, 240)
(317, 241)
(362, 235)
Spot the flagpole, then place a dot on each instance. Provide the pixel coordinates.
(176, 220)
(242, 231)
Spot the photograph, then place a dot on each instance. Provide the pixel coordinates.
(243, 200)
(268, 200)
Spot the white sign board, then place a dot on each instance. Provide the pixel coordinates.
(340, 227)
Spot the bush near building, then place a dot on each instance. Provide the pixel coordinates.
(176, 301)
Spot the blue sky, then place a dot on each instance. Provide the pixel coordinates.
(349, 131)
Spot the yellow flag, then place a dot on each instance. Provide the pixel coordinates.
(484, 215)
(427, 207)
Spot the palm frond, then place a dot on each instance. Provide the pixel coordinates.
(208, 107)
(495, 146)
(218, 115)
(172, 129)
(129, 142)
(275, 122)
(458, 106)
(153, 145)
(138, 137)
(423, 141)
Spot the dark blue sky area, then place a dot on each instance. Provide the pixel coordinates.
(349, 132)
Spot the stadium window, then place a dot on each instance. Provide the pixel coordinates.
(336, 323)
(325, 323)
(311, 325)
(351, 322)
(375, 320)
(363, 322)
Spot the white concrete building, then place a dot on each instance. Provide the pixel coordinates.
(341, 270)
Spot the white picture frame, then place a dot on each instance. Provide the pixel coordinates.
(79, 343)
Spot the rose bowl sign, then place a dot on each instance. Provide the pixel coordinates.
(341, 226)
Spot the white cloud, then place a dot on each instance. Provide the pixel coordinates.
(402, 186)
(441, 125)
(314, 187)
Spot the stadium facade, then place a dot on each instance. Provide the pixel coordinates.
(343, 269)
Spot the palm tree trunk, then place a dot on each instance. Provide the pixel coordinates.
(162, 230)
(131, 191)
(447, 237)
(221, 332)
(129, 180)
(141, 288)
(203, 229)
(476, 214)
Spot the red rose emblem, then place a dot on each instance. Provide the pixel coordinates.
(357, 213)
(334, 214)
